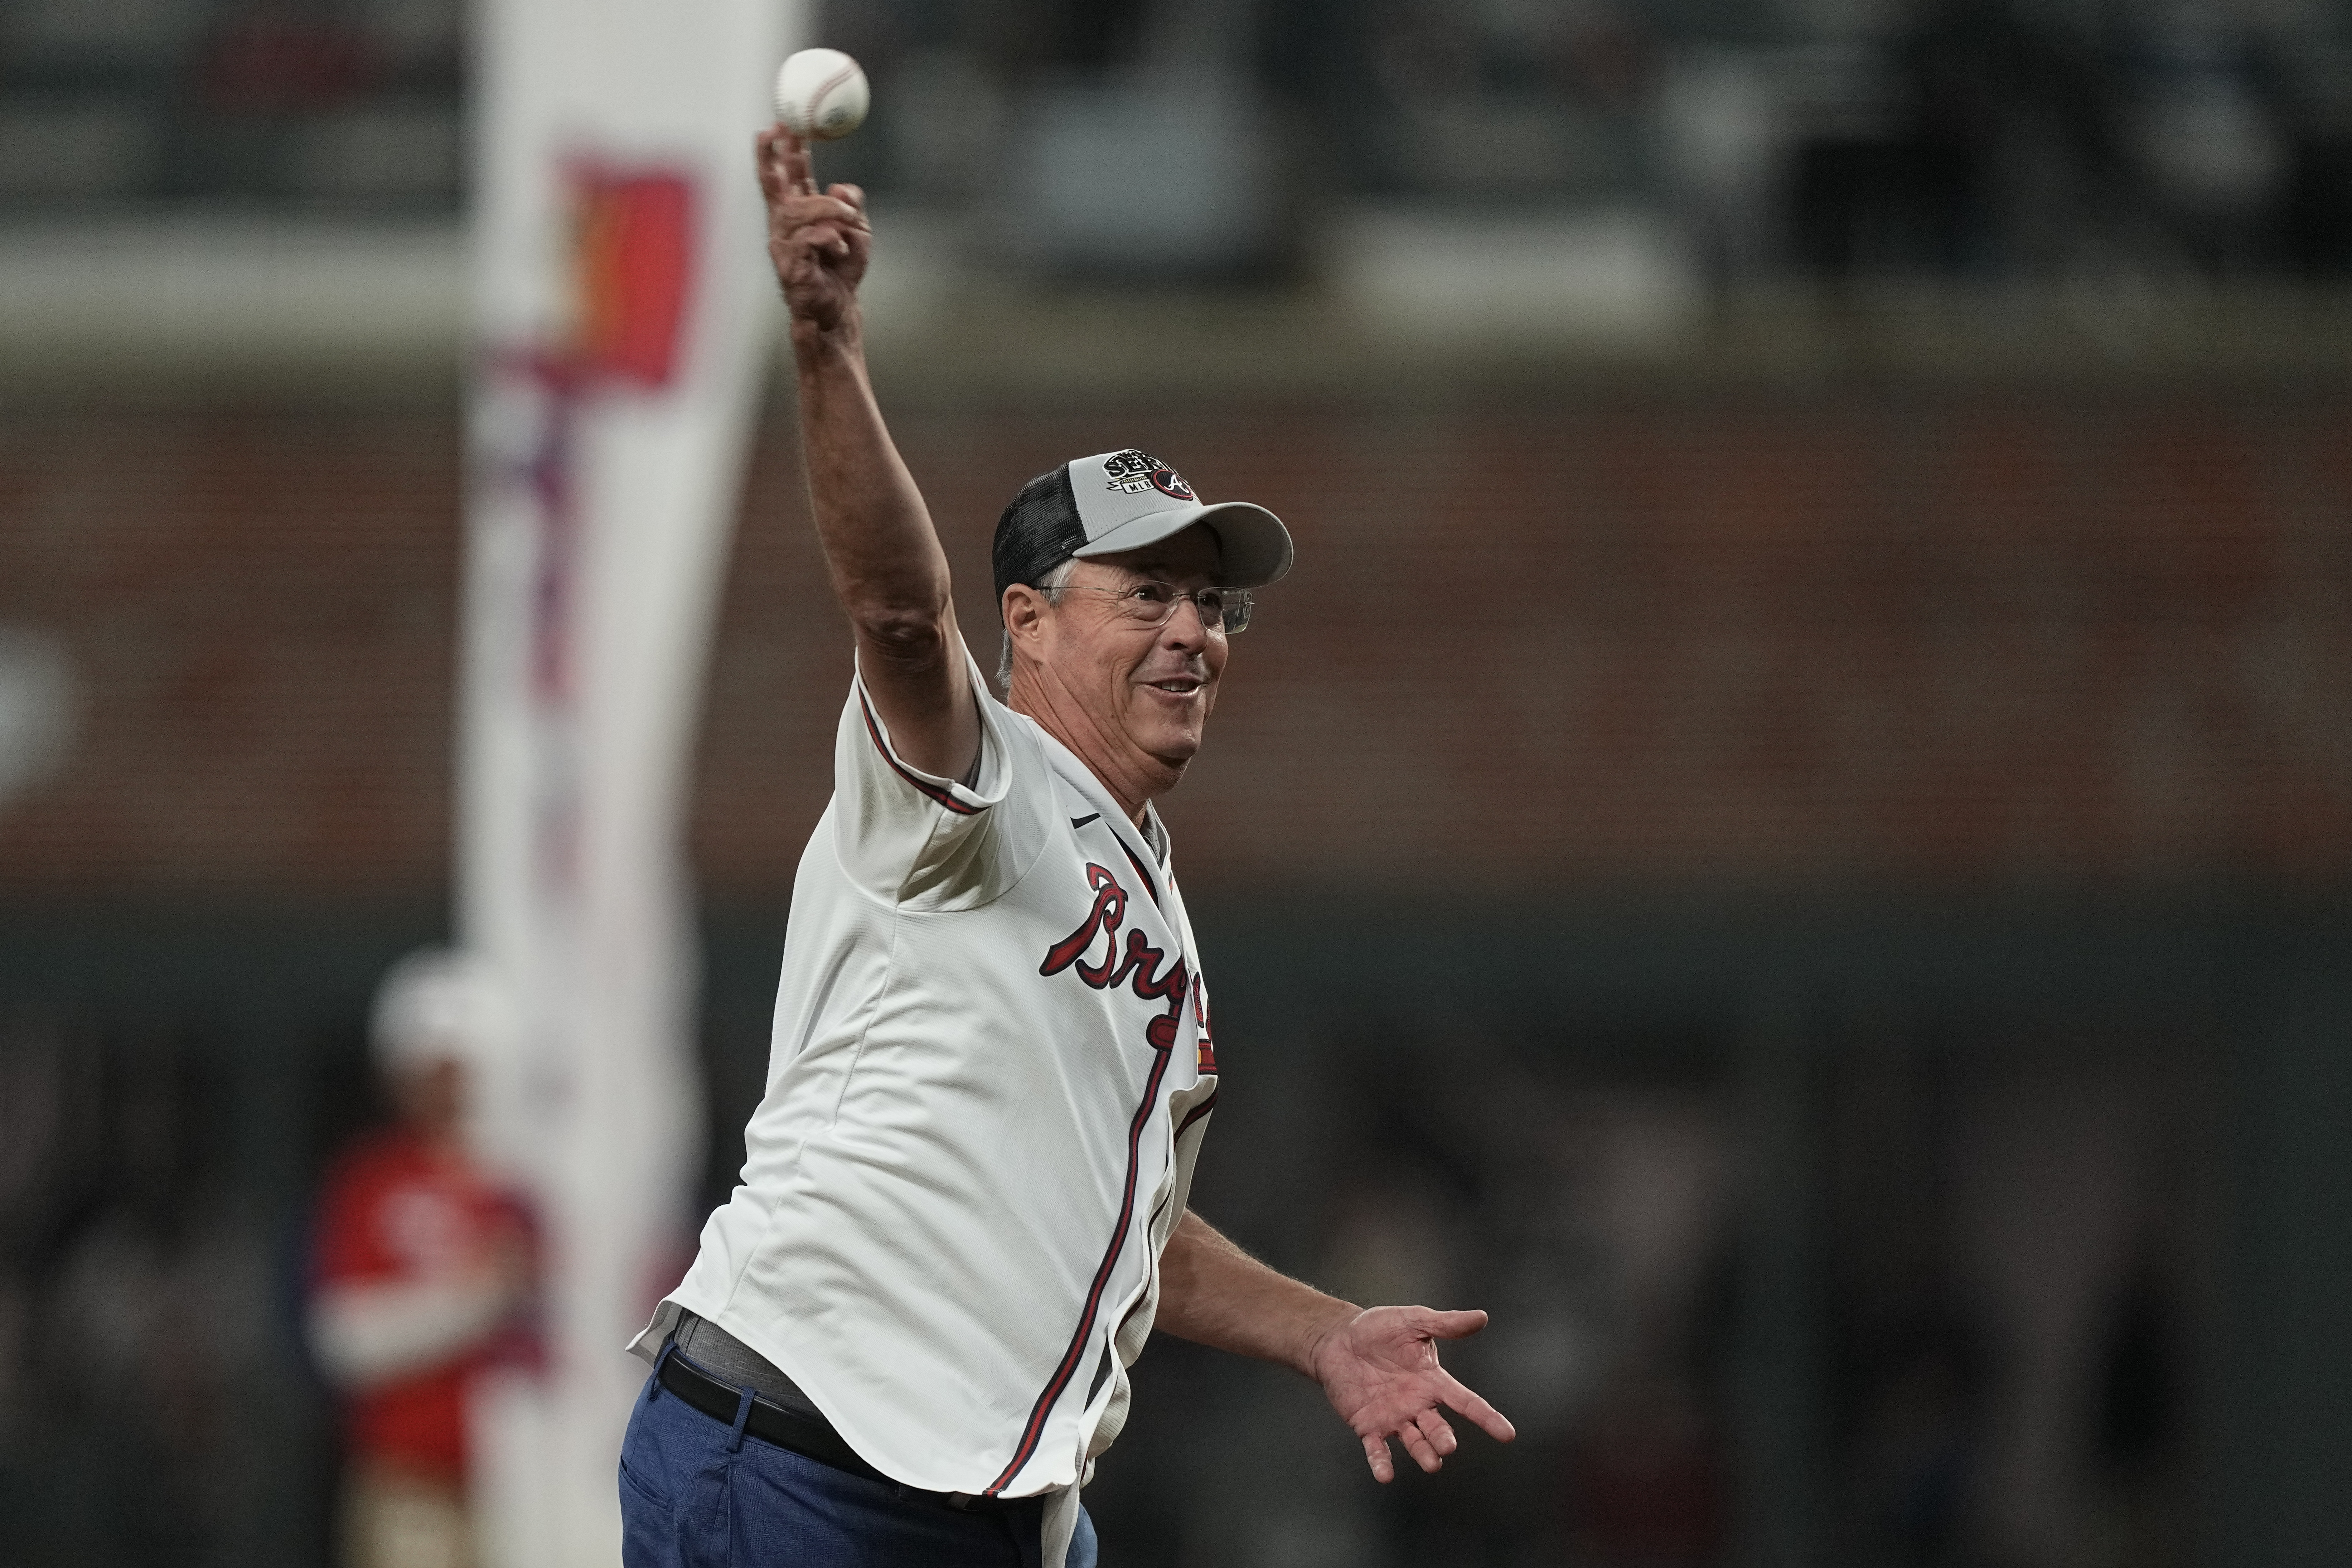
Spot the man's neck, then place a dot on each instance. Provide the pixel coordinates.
(1133, 799)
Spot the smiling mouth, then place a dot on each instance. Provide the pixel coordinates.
(1179, 687)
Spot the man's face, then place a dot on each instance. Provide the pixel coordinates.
(431, 1095)
(1136, 689)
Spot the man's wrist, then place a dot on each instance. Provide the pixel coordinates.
(1326, 1325)
(815, 345)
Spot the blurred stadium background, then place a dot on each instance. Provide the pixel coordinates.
(1790, 835)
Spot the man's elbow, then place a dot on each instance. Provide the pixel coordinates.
(908, 636)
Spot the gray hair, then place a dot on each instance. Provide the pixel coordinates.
(1051, 583)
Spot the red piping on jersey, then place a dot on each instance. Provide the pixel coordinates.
(943, 797)
(1141, 1296)
(1036, 1429)
(1195, 1114)
(1148, 884)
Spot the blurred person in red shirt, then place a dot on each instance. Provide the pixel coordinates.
(422, 1272)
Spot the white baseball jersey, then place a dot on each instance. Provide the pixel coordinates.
(990, 1072)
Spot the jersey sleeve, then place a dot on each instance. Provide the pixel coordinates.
(346, 1240)
(915, 837)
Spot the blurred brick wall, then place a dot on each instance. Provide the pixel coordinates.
(1989, 634)
(260, 614)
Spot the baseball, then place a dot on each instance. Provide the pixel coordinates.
(821, 95)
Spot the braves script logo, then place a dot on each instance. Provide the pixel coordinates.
(1133, 470)
(1132, 965)
(1208, 1047)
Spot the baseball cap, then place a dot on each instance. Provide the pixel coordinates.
(438, 1002)
(1125, 501)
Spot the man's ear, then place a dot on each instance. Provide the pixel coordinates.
(1024, 611)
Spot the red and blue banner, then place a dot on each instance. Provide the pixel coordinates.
(622, 315)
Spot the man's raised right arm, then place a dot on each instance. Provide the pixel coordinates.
(888, 568)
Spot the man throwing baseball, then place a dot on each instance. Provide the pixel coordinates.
(906, 1337)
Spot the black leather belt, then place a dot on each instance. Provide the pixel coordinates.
(811, 1439)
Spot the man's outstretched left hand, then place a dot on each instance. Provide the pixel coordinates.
(1380, 1370)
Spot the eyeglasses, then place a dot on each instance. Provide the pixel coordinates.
(1152, 603)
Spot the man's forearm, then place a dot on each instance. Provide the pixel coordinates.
(1378, 1368)
(887, 567)
(1214, 1293)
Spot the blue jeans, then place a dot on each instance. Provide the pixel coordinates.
(695, 1494)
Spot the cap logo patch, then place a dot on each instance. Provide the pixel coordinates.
(1133, 471)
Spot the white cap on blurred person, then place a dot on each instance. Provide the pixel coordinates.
(440, 1003)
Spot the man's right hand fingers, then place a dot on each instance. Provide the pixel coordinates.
(764, 159)
(798, 179)
(824, 209)
(784, 160)
(821, 224)
(817, 242)
(823, 239)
